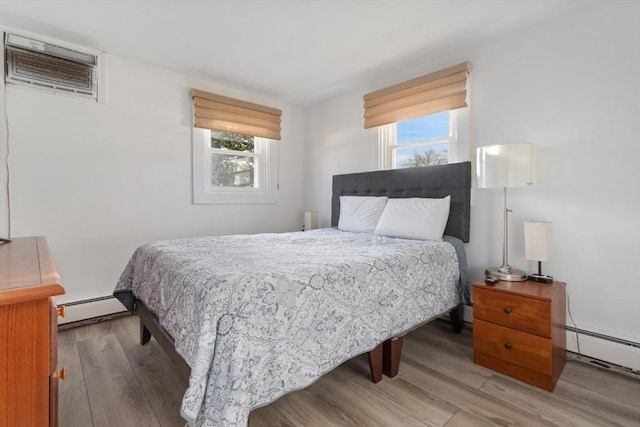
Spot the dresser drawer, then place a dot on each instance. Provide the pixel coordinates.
(518, 348)
(514, 311)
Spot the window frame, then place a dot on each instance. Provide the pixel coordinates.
(388, 145)
(265, 176)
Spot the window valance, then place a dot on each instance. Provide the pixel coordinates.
(432, 93)
(219, 112)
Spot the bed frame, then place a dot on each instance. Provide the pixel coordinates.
(430, 181)
(439, 181)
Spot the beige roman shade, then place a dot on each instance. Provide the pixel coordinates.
(219, 112)
(435, 92)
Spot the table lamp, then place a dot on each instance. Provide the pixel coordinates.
(537, 247)
(505, 166)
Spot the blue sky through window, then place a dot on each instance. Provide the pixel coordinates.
(423, 128)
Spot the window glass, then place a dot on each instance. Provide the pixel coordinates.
(422, 141)
(229, 166)
(435, 154)
(233, 168)
(232, 141)
(423, 128)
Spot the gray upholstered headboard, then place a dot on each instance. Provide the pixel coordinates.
(453, 180)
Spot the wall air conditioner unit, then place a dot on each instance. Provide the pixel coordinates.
(38, 64)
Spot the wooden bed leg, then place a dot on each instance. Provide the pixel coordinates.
(392, 350)
(455, 316)
(145, 334)
(375, 363)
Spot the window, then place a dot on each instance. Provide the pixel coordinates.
(423, 141)
(417, 119)
(235, 152)
(232, 168)
(234, 160)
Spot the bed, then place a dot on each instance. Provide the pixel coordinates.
(257, 323)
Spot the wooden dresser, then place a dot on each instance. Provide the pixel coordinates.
(519, 330)
(28, 334)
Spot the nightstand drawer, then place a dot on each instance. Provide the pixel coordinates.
(517, 348)
(525, 314)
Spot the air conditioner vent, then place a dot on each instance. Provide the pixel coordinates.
(45, 70)
(34, 63)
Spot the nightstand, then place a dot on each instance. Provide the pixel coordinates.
(519, 330)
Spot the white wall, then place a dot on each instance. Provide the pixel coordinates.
(98, 180)
(572, 86)
(335, 143)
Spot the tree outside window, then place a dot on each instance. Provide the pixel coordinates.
(233, 160)
(422, 141)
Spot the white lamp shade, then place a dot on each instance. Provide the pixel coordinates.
(502, 166)
(538, 241)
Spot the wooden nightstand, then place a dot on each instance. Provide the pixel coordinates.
(519, 330)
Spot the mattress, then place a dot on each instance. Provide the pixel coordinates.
(258, 316)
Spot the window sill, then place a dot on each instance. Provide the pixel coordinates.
(233, 198)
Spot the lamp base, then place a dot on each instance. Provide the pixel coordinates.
(515, 275)
(540, 278)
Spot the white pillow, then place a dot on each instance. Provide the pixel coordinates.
(415, 218)
(360, 213)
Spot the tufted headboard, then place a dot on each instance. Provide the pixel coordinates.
(439, 181)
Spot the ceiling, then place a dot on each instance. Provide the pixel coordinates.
(298, 51)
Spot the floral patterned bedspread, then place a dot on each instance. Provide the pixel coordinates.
(258, 316)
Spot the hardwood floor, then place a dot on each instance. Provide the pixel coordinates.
(114, 381)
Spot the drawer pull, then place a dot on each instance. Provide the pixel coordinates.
(507, 310)
(62, 311)
(507, 345)
(62, 374)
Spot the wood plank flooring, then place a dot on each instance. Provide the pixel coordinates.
(114, 381)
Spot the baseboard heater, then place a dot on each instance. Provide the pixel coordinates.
(603, 337)
(91, 308)
(605, 348)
